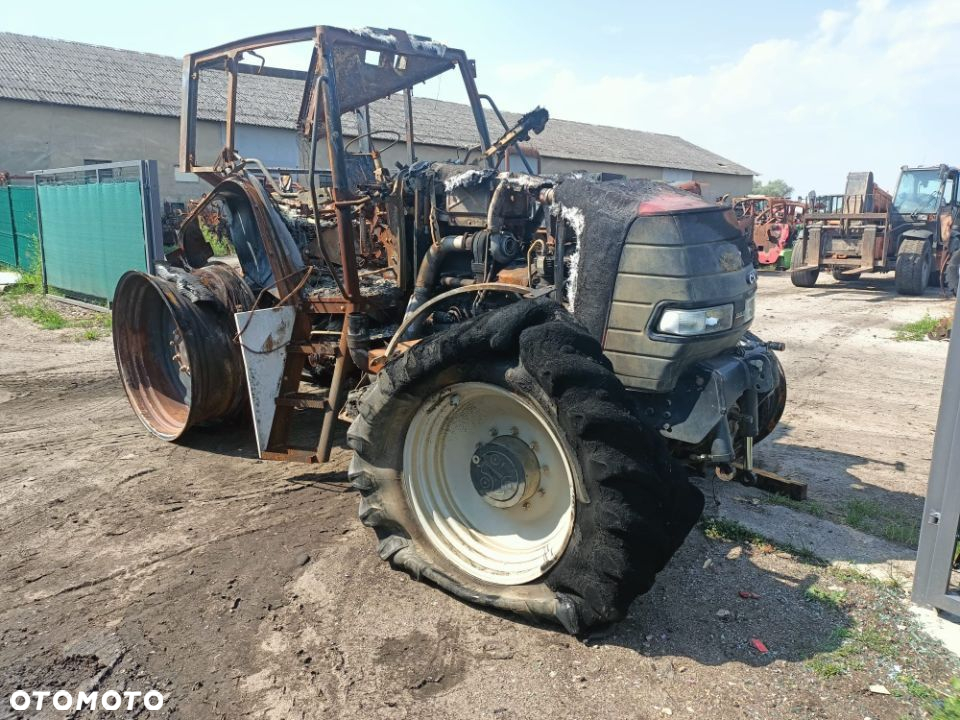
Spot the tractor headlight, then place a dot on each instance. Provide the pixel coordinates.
(698, 321)
(749, 308)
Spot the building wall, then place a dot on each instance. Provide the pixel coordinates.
(714, 185)
(34, 136)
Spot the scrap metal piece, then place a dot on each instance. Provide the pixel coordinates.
(264, 336)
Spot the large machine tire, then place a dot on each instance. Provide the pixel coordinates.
(951, 273)
(535, 389)
(770, 406)
(802, 278)
(839, 275)
(914, 265)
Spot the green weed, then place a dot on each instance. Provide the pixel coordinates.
(830, 598)
(40, 313)
(889, 523)
(920, 329)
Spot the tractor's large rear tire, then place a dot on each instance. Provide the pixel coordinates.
(501, 461)
(802, 278)
(914, 265)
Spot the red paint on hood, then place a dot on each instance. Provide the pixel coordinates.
(671, 202)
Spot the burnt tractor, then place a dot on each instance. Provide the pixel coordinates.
(771, 224)
(913, 233)
(532, 366)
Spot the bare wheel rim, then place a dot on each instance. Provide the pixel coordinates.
(490, 481)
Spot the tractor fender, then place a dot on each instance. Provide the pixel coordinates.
(917, 234)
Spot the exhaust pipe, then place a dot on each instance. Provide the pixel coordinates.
(177, 359)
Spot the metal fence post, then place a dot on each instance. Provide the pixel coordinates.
(43, 264)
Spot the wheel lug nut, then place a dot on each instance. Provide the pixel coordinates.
(514, 430)
(494, 432)
(475, 459)
(526, 505)
(454, 400)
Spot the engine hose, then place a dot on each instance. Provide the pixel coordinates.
(495, 212)
(409, 319)
(428, 277)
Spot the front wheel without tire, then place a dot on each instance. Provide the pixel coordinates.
(501, 461)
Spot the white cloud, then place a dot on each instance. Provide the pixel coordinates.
(870, 89)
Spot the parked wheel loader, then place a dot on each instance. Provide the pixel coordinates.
(914, 233)
(532, 366)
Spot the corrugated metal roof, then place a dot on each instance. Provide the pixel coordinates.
(70, 73)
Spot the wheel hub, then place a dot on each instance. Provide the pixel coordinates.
(506, 516)
(505, 471)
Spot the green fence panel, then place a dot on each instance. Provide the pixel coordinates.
(24, 201)
(92, 234)
(8, 239)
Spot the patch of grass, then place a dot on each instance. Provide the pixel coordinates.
(882, 643)
(888, 523)
(830, 598)
(917, 689)
(826, 668)
(725, 530)
(44, 313)
(919, 329)
(949, 707)
(31, 278)
(96, 321)
(810, 507)
(849, 574)
(40, 313)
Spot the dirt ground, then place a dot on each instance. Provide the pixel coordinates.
(862, 407)
(240, 588)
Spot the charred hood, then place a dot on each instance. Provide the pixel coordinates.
(602, 214)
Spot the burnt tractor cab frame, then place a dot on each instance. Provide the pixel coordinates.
(532, 366)
(338, 80)
(914, 233)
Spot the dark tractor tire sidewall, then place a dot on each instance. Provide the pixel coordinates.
(802, 278)
(914, 265)
(770, 407)
(641, 505)
(840, 277)
(951, 273)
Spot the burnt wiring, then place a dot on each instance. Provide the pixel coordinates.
(299, 286)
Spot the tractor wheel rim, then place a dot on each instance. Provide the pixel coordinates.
(490, 481)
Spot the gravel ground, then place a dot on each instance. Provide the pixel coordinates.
(240, 588)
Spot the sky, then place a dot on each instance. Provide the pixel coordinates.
(804, 91)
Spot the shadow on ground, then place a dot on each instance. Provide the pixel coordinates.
(843, 495)
(698, 612)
